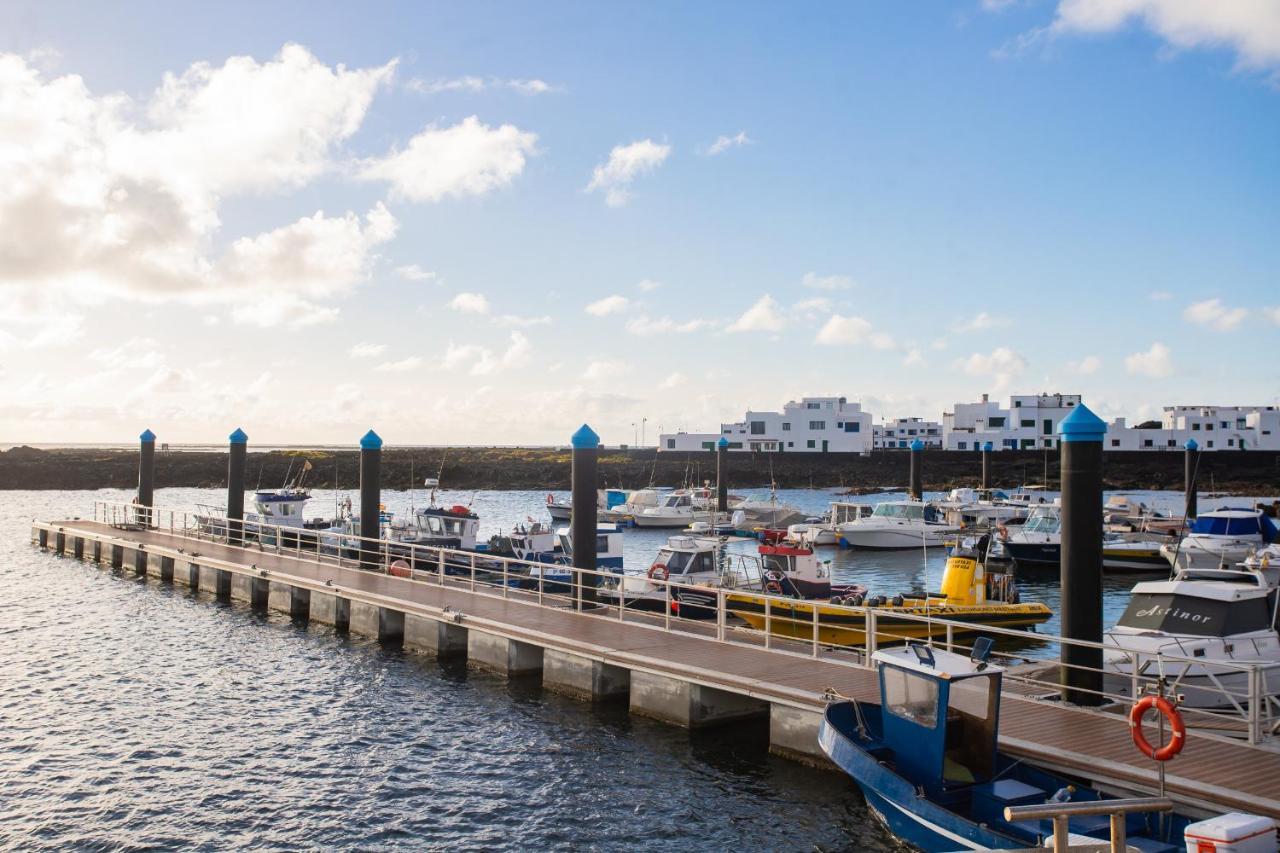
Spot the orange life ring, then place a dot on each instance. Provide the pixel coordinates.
(659, 569)
(773, 587)
(1179, 729)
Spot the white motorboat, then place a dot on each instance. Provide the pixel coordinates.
(766, 514)
(898, 525)
(452, 527)
(683, 561)
(1223, 537)
(676, 509)
(980, 508)
(1038, 544)
(1224, 618)
(608, 505)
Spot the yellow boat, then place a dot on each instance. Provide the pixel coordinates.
(969, 594)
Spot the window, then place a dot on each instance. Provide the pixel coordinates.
(1115, 442)
(961, 445)
(1048, 427)
(1224, 425)
(817, 424)
(809, 444)
(671, 444)
(1017, 404)
(1028, 443)
(1208, 426)
(911, 697)
(911, 432)
(791, 444)
(1231, 442)
(1195, 427)
(1211, 443)
(813, 405)
(852, 426)
(1173, 443)
(996, 422)
(1148, 443)
(786, 426)
(1011, 443)
(735, 445)
(1048, 442)
(1028, 423)
(757, 427)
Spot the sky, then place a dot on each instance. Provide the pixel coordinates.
(488, 223)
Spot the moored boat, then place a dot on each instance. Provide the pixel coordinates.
(1223, 537)
(897, 525)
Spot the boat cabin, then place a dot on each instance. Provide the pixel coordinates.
(445, 527)
(280, 507)
(843, 512)
(907, 511)
(789, 569)
(676, 500)
(1203, 603)
(1236, 524)
(608, 545)
(687, 555)
(940, 714)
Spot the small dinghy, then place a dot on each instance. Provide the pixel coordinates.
(926, 759)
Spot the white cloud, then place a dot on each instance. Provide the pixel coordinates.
(615, 304)
(625, 164)
(840, 330)
(481, 361)
(1002, 364)
(673, 380)
(1086, 366)
(981, 322)
(1160, 296)
(1273, 313)
(1155, 362)
(1214, 314)
(826, 282)
(648, 285)
(602, 369)
(133, 354)
(404, 365)
(472, 84)
(1250, 28)
(764, 316)
(724, 143)
(364, 350)
(646, 326)
(470, 303)
(520, 321)
(812, 307)
(913, 358)
(110, 198)
(413, 272)
(468, 159)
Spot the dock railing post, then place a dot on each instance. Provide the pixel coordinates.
(146, 476)
(1081, 434)
(238, 452)
(917, 473)
(768, 620)
(722, 478)
(370, 498)
(1191, 464)
(986, 465)
(583, 524)
(813, 608)
(871, 634)
(721, 601)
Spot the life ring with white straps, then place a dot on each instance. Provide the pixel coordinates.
(659, 571)
(1176, 725)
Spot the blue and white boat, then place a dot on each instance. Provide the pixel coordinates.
(927, 761)
(557, 572)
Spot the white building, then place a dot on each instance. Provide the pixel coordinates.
(1030, 422)
(900, 432)
(813, 425)
(1212, 427)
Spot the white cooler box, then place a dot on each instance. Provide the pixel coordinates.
(1232, 833)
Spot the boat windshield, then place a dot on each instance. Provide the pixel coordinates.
(431, 523)
(1199, 617)
(971, 704)
(686, 562)
(676, 501)
(1207, 525)
(907, 511)
(910, 696)
(1043, 521)
(778, 563)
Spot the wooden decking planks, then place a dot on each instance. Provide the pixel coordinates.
(1227, 774)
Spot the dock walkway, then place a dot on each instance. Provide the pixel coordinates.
(1213, 773)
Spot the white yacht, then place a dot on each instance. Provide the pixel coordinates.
(608, 504)
(897, 525)
(684, 561)
(1225, 616)
(980, 508)
(1223, 537)
(764, 514)
(676, 509)
(823, 531)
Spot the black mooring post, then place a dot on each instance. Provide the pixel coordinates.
(1190, 465)
(916, 487)
(235, 486)
(722, 475)
(986, 465)
(370, 499)
(146, 476)
(583, 524)
(1081, 435)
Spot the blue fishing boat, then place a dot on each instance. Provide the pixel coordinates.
(927, 761)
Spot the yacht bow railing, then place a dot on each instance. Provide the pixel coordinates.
(802, 628)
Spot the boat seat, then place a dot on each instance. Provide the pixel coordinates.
(1011, 792)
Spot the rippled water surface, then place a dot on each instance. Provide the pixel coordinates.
(136, 715)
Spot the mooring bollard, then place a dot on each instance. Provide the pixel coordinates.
(986, 465)
(235, 486)
(1191, 466)
(916, 487)
(583, 524)
(722, 475)
(1081, 562)
(370, 499)
(146, 476)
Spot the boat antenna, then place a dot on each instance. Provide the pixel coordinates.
(288, 473)
(1186, 508)
(411, 486)
(260, 467)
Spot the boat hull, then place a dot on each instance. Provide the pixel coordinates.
(889, 539)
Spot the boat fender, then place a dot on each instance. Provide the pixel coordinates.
(877, 601)
(839, 600)
(1176, 725)
(659, 571)
(897, 601)
(1014, 598)
(858, 599)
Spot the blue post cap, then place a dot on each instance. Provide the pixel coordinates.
(1082, 425)
(722, 443)
(917, 445)
(585, 439)
(1191, 445)
(371, 441)
(238, 437)
(988, 447)
(148, 437)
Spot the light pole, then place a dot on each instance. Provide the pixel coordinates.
(643, 423)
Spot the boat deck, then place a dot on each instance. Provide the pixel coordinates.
(1213, 772)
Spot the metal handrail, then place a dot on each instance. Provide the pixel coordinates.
(1061, 814)
(1251, 705)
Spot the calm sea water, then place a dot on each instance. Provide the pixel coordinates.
(136, 715)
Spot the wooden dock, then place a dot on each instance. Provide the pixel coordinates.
(685, 675)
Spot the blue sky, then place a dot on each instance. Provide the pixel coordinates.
(908, 205)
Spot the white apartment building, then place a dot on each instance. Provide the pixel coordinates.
(1212, 427)
(813, 425)
(900, 432)
(1029, 423)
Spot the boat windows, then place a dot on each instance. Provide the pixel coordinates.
(971, 714)
(1207, 525)
(911, 697)
(1199, 617)
(903, 511)
(778, 563)
(685, 562)
(1043, 522)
